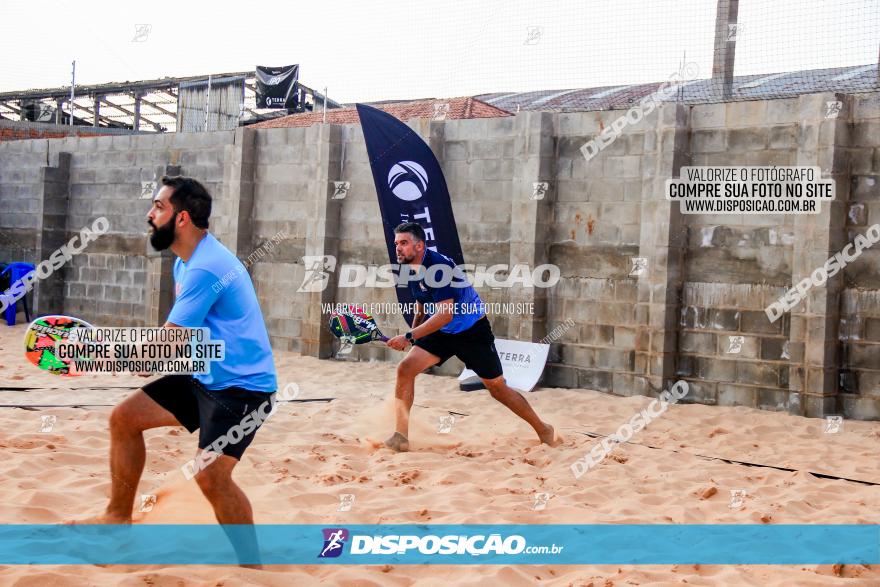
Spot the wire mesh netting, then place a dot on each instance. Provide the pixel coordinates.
(557, 55)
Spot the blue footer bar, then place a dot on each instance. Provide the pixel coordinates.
(636, 544)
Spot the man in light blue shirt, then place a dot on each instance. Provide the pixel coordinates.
(229, 403)
(215, 291)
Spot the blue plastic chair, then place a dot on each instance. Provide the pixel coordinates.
(17, 272)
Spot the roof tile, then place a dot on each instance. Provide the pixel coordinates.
(463, 107)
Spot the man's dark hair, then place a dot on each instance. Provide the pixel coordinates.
(191, 196)
(414, 228)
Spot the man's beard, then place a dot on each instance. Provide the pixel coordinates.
(405, 259)
(162, 236)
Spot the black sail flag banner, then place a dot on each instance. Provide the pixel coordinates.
(410, 186)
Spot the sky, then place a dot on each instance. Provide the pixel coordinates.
(395, 49)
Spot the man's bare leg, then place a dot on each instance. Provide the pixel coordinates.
(231, 507)
(520, 406)
(128, 420)
(416, 361)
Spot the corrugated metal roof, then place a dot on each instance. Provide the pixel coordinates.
(859, 78)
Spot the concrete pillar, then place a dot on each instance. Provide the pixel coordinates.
(239, 166)
(531, 218)
(137, 111)
(53, 191)
(97, 105)
(160, 277)
(823, 142)
(322, 237)
(725, 47)
(662, 244)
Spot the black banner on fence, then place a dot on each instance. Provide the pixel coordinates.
(276, 86)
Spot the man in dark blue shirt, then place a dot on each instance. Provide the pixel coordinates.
(449, 321)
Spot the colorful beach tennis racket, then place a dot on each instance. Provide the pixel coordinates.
(355, 326)
(40, 340)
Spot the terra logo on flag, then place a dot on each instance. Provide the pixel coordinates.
(334, 541)
(408, 180)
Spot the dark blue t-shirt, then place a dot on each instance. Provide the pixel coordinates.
(432, 288)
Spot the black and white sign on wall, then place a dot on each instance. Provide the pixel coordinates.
(276, 86)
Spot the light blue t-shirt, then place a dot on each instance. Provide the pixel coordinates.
(214, 291)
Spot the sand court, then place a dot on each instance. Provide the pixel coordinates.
(487, 467)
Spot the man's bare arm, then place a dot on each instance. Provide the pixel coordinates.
(419, 316)
(443, 316)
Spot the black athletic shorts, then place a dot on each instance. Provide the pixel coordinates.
(214, 413)
(474, 346)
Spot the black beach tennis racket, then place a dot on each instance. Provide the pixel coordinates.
(355, 326)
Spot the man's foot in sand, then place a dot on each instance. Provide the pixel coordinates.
(99, 519)
(398, 442)
(549, 436)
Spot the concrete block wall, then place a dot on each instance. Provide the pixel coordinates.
(723, 368)
(742, 248)
(52, 198)
(478, 159)
(481, 161)
(21, 187)
(107, 282)
(20, 167)
(860, 305)
(594, 234)
(284, 180)
(708, 278)
(735, 265)
(104, 284)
